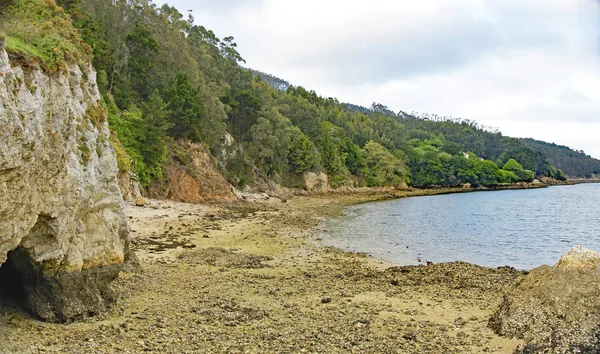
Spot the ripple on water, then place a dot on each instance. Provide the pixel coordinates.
(521, 228)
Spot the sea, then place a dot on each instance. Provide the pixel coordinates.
(522, 228)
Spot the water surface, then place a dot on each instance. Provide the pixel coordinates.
(520, 228)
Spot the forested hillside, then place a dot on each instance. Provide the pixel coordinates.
(573, 163)
(273, 81)
(164, 78)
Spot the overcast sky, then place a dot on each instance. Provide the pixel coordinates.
(528, 67)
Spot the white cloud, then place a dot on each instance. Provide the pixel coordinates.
(530, 68)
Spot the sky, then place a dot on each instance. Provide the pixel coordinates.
(528, 67)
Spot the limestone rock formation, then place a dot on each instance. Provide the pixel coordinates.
(555, 309)
(130, 188)
(63, 227)
(316, 182)
(580, 258)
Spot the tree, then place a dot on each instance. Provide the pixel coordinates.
(270, 142)
(142, 48)
(334, 156)
(383, 168)
(303, 154)
(154, 146)
(186, 109)
(512, 165)
(487, 173)
(522, 175)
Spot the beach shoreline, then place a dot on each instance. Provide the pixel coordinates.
(252, 276)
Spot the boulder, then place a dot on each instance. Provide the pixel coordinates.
(316, 182)
(140, 201)
(581, 259)
(64, 234)
(554, 309)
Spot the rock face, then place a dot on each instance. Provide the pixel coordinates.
(316, 182)
(63, 230)
(192, 176)
(130, 188)
(555, 309)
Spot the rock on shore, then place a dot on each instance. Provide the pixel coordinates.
(64, 235)
(555, 309)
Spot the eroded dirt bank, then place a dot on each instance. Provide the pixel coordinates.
(251, 277)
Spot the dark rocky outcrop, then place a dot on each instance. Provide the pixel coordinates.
(554, 309)
(63, 228)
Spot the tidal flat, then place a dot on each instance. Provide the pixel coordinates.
(253, 277)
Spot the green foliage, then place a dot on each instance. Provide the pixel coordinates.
(522, 175)
(555, 173)
(487, 173)
(302, 152)
(572, 162)
(512, 165)
(238, 170)
(86, 154)
(155, 142)
(186, 109)
(530, 159)
(165, 78)
(525, 176)
(334, 154)
(383, 168)
(431, 166)
(270, 143)
(142, 47)
(505, 176)
(123, 160)
(38, 32)
(245, 107)
(141, 133)
(452, 148)
(96, 114)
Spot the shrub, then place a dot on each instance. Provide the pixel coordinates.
(123, 160)
(512, 165)
(86, 154)
(525, 175)
(96, 114)
(40, 34)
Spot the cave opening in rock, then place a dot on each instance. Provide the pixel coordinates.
(12, 290)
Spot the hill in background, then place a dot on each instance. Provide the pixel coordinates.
(165, 79)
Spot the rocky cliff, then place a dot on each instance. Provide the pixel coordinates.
(64, 234)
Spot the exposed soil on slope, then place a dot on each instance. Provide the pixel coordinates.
(251, 277)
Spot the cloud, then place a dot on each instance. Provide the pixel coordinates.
(531, 68)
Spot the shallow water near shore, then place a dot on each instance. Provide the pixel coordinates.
(520, 228)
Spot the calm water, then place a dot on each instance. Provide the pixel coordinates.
(520, 228)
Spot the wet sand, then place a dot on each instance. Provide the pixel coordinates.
(252, 277)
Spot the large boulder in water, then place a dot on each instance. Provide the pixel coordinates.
(554, 309)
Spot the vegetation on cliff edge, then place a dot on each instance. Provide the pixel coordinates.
(165, 78)
(40, 33)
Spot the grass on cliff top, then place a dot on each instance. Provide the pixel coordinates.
(40, 34)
